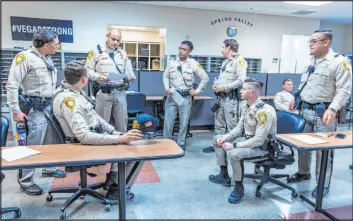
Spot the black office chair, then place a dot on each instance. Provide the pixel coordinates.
(161, 115)
(83, 189)
(286, 123)
(4, 128)
(135, 105)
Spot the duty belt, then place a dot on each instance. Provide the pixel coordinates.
(69, 140)
(232, 94)
(108, 88)
(37, 103)
(184, 93)
(306, 105)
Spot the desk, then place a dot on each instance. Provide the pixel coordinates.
(333, 143)
(267, 97)
(77, 154)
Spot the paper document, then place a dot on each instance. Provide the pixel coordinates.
(116, 77)
(309, 139)
(177, 97)
(17, 153)
(129, 72)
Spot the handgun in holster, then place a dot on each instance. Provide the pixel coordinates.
(95, 88)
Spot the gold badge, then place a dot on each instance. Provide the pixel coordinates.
(20, 58)
(241, 62)
(262, 117)
(346, 65)
(70, 103)
(135, 124)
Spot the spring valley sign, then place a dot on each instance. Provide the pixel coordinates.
(231, 19)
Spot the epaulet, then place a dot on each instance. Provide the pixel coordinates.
(99, 48)
(336, 55)
(260, 104)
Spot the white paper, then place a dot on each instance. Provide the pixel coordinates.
(129, 72)
(17, 153)
(177, 97)
(309, 139)
(116, 77)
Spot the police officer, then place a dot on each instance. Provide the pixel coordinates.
(34, 71)
(81, 123)
(323, 91)
(283, 98)
(247, 141)
(226, 89)
(179, 77)
(111, 98)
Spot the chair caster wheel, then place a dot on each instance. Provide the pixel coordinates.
(82, 197)
(295, 195)
(258, 194)
(49, 198)
(17, 214)
(63, 215)
(107, 207)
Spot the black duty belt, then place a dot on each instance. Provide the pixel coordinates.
(183, 93)
(69, 140)
(108, 88)
(306, 105)
(37, 103)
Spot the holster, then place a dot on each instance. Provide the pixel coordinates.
(183, 93)
(215, 107)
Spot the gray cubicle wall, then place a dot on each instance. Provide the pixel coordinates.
(274, 83)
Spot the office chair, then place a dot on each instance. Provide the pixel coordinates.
(349, 108)
(83, 189)
(135, 105)
(161, 115)
(4, 128)
(286, 123)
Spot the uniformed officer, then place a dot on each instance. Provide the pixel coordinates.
(179, 77)
(283, 98)
(227, 87)
(247, 141)
(323, 91)
(111, 102)
(81, 123)
(111, 98)
(34, 71)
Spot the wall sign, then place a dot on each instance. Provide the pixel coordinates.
(231, 19)
(22, 28)
(232, 31)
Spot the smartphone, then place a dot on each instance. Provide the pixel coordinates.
(340, 136)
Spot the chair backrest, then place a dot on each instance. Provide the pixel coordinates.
(58, 136)
(288, 123)
(4, 130)
(135, 102)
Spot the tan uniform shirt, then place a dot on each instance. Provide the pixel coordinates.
(282, 100)
(233, 72)
(101, 63)
(259, 120)
(76, 115)
(30, 72)
(330, 82)
(173, 78)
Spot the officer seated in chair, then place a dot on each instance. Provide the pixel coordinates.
(81, 124)
(247, 141)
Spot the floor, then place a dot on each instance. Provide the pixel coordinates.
(179, 189)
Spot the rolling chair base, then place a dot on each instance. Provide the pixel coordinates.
(80, 192)
(265, 177)
(16, 210)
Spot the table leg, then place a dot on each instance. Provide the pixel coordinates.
(122, 202)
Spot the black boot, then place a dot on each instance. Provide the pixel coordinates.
(237, 194)
(113, 194)
(111, 176)
(221, 178)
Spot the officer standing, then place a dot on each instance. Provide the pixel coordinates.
(179, 77)
(111, 98)
(34, 71)
(283, 98)
(226, 89)
(247, 141)
(81, 123)
(323, 91)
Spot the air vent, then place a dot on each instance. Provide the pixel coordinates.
(303, 12)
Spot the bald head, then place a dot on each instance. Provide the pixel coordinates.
(114, 31)
(113, 38)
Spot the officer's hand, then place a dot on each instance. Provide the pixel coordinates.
(220, 142)
(131, 135)
(169, 92)
(19, 116)
(102, 78)
(218, 88)
(291, 106)
(192, 92)
(227, 146)
(131, 79)
(329, 116)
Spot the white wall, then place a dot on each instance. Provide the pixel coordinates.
(342, 36)
(90, 19)
(347, 39)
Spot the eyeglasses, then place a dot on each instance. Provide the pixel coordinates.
(183, 49)
(115, 39)
(314, 41)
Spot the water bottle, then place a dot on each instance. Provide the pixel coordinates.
(21, 136)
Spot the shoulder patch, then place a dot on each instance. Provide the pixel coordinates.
(70, 103)
(199, 65)
(262, 117)
(90, 55)
(241, 62)
(260, 104)
(20, 58)
(346, 65)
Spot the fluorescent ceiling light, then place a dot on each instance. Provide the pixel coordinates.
(318, 3)
(129, 27)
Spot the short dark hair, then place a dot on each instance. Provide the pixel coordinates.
(285, 80)
(188, 43)
(253, 80)
(327, 33)
(232, 43)
(74, 71)
(43, 36)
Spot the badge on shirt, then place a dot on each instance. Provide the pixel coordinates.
(346, 65)
(70, 103)
(90, 55)
(262, 118)
(20, 58)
